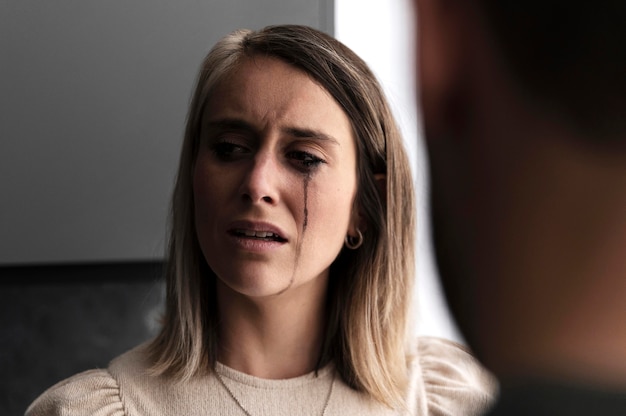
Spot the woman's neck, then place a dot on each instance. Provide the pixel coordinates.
(276, 337)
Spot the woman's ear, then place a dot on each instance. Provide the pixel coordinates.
(357, 220)
(381, 185)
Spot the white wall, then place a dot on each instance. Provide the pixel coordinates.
(381, 32)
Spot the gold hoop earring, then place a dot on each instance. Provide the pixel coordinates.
(354, 242)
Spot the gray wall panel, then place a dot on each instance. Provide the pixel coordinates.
(93, 96)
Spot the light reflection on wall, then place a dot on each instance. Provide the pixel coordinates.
(381, 33)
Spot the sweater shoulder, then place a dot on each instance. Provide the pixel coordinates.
(452, 380)
(93, 392)
(101, 392)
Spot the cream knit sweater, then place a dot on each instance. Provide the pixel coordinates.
(445, 380)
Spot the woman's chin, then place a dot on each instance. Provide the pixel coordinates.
(254, 288)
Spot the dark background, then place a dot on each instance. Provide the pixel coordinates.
(59, 320)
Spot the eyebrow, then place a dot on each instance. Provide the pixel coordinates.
(231, 124)
(302, 133)
(296, 132)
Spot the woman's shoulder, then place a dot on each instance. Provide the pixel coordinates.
(126, 388)
(93, 391)
(86, 393)
(452, 380)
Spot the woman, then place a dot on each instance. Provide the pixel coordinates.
(291, 254)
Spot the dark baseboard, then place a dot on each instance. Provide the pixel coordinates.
(82, 272)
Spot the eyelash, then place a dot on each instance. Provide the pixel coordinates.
(227, 151)
(224, 150)
(307, 160)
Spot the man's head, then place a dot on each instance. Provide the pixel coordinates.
(523, 108)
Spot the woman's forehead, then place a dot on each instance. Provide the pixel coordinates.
(265, 89)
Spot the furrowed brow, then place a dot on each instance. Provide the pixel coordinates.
(230, 124)
(302, 133)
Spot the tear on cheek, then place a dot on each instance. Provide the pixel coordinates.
(305, 187)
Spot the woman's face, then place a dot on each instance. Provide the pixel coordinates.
(274, 180)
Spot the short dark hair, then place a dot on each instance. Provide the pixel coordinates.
(570, 56)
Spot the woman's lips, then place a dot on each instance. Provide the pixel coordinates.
(247, 232)
(262, 235)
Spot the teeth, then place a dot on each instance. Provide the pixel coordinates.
(258, 234)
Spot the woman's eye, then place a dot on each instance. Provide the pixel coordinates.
(227, 151)
(305, 159)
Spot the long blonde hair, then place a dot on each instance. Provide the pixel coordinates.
(370, 288)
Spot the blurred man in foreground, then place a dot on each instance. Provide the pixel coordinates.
(524, 110)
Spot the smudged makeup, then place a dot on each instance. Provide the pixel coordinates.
(235, 148)
(276, 162)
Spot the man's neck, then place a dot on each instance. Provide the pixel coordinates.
(566, 261)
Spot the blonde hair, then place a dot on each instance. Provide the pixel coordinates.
(370, 288)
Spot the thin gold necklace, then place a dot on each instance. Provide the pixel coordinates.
(243, 409)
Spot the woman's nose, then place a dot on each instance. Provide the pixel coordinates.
(260, 183)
